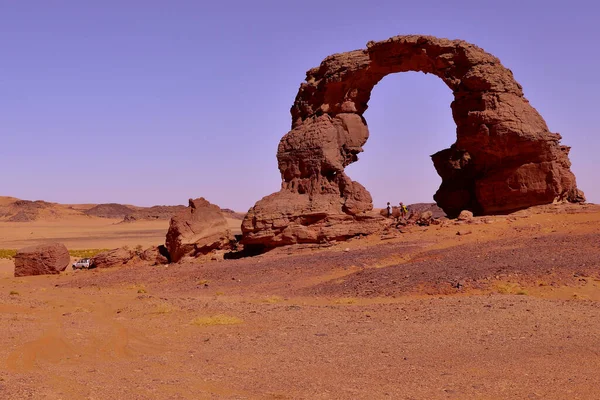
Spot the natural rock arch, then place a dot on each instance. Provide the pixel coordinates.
(504, 158)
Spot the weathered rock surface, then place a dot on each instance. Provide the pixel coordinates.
(504, 159)
(112, 258)
(44, 259)
(285, 218)
(156, 255)
(465, 215)
(197, 230)
(425, 218)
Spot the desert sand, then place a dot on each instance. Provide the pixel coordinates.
(507, 308)
(88, 233)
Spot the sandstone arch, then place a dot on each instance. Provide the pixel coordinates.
(504, 158)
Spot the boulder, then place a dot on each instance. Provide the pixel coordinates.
(112, 258)
(156, 255)
(425, 218)
(465, 215)
(286, 218)
(43, 259)
(198, 230)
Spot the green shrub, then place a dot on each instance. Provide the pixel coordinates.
(7, 253)
(86, 253)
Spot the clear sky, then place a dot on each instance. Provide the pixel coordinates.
(153, 102)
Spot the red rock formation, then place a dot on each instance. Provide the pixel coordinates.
(197, 230)
(44, 259)
(113, 258)
(156, 255)
(504, 158)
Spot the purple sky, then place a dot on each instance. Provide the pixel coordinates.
(153, 102)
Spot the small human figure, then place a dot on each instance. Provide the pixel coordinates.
(389, 210)
(403, 210)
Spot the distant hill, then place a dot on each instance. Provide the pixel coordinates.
(111, 210)
(16, 210)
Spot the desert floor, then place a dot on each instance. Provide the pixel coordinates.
(508, 309)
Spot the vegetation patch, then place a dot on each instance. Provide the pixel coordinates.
(140, 288)
(510, 288)
(216, 320)
(273, 299)
(87, 253)
(8, 253)
(345, 300)
(163, 308)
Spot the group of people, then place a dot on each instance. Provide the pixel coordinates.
(402, 207)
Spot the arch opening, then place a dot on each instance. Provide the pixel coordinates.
(409, 119)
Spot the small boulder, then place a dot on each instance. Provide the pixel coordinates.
(198, 230)
(43, 259)
(465, 215)
(157, 255)
(112, 258)
(425, 218)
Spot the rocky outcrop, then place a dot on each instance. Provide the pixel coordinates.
(504, 159)
(43, 259)
(197, 230)
(113, 258)
(24, 210)
(285, 218)
(110, 210)
(156, 255)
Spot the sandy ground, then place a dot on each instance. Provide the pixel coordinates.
(88, 233)
(505, 309)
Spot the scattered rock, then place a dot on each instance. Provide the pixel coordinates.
(128, 219)
(425, 218)
(418, 208)
(198, 230)
(43, 259)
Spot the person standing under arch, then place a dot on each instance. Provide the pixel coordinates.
(403, 210)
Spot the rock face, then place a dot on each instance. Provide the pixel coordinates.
(44, 259)
(112, 258)
(504, 158)
(197, 230)
(156, 255)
